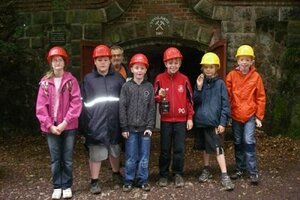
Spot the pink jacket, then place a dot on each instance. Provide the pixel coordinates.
(69, 107)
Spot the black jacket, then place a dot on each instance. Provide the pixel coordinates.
(100, 115)
(137, 106)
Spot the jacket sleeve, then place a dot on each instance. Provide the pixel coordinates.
(197, 96)
(225, 107)
(83, 119)
(190, 102)
(123, 109)
(157, 97)
(42, 108)
(260, 99)
(75, 103)
(151, 111)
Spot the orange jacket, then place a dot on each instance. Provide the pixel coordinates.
(246, 94)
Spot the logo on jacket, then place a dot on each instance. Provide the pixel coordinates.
(181, 110)
(146, 93)
(180, 88)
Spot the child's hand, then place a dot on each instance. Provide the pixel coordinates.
(148, 132)
(125, 134)
(189, 124)
(54, 130)
(200, 81)
(162, 92)
(220, 129)
(258, 123)
(61, 127)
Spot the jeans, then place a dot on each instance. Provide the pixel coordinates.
(172, 136)
(61, 152)
(244, 143)
(137, 153)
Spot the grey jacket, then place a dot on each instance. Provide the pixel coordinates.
(137, 106)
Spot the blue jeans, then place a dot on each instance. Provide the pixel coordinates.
(61, 152)
(172, 137)
(137, 152)
(244, 143)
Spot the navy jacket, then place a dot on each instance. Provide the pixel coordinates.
(100, 115)
(211, 104)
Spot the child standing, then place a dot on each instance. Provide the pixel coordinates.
(58, 107)
(174, 93)
(211, 116)
(248, 100)
(137, 119)
(100, 92)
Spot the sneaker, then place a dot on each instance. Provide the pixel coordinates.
(145, 187)
(56, 194)
(95, 188)
(237, 174)
(205, 175)
(127, 187)
(226, 183)
(67, 193)
(163, 182)
(117, 178)
(179, 182)
(254, 179)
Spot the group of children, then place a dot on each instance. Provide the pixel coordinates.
(109, 108)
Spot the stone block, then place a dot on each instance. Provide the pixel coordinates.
(280, 36)
(205, 8)
(289, 13)
(76, 31)
(224, 13)
(24, 42)
(34, 30)
(231, 26)
(113, 11)
(37, 42)
(294, 27)
(76, 16)
(205, 35)
(243, 13)
(41, 17)
(24, 19)
(75, 47)
(192, 31)
(249, 27)
(178, 28)
(266, 13)
(59, 17)
(95, 16)
(93, 31)
(293, 40)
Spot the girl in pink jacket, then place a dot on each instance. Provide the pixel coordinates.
(58, 108)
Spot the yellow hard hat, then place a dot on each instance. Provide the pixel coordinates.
(245, 50)
(210, 59)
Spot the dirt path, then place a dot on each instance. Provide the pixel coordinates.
(25, 172)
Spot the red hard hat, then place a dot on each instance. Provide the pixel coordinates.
(58, 51)
(172, 53)
(139, 58)
(101, 51)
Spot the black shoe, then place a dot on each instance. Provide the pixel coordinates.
(226, 183)
(205, 175)
(179, 182)
(146, 187)
(95, 188)
(237, 174)
(163, 182)
(127, 187)
(117, 178)
(254, 179)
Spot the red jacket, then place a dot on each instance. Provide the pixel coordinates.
(179, 94)
(247, 94)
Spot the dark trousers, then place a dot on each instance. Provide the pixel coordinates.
(172, 137)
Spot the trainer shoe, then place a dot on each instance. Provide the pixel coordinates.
(67, 193)
(146, 187)
(237, 174)
(254, 179)
(56, 194)
(179, 182)
(205, 175)
(127, 187)
(226, 183)
(163, 182)
(95, 188)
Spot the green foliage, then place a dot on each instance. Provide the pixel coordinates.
(19, 75)
(286, 109)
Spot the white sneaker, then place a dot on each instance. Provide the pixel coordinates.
(67, 193)
(56, 194)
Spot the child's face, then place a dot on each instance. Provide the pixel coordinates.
(244, 63)
(102, 64)
(173, 65)
(209, 70)
(57, 63)
(138, 70)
